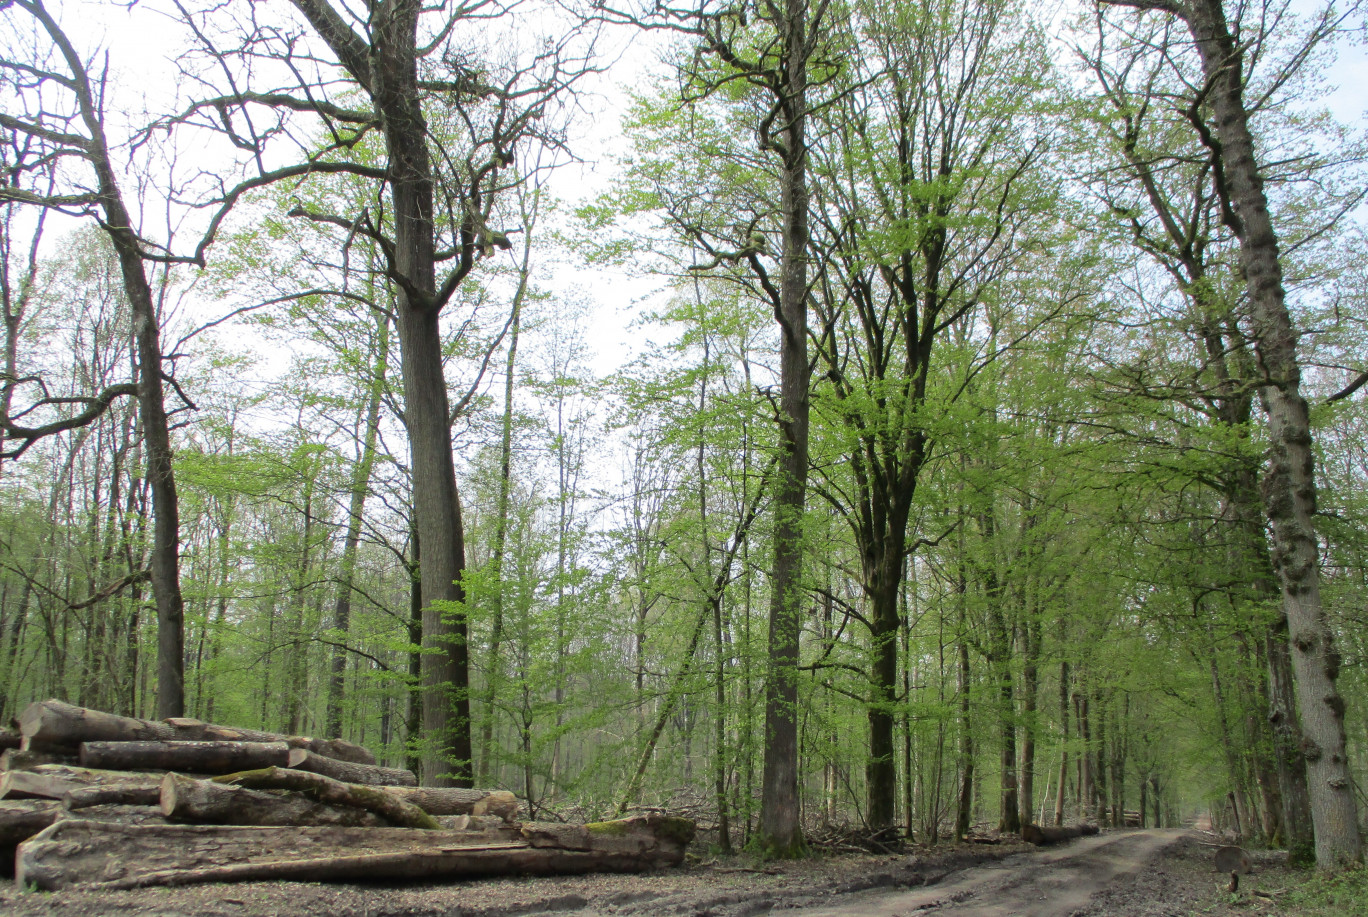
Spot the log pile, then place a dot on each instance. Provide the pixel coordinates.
(91, 798)
(1044, 836)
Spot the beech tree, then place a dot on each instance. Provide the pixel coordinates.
(1223, 124)
(771, 49)
(927, 189)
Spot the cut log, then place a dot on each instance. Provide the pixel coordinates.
(198, 731)
(456, 801)
(21, 819)
(348, 772)
(375, 799)
(197, 757)
(53, 725)
(9, 738)
(1233, 860)
(57, 781)
(121, 815)
(206, 802)
(469, 822)
(127, 795)
(76, 852)
(18, 760)
(28, 785)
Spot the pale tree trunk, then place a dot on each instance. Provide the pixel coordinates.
(296, 678)
(1289, 486)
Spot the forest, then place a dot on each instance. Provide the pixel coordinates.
(990, 448)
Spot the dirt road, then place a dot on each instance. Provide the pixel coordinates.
(1052, 882)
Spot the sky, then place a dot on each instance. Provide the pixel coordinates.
(142, 39)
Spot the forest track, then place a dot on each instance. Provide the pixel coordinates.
(1053, 882)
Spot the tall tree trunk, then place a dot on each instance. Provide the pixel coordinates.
(387, 69)
(1243, 512)
(413, 720)
(1099, 768)
(965, 810)
(296, 678)
(1289, 486)
(1030, 687)
(1064, 745)
(780, 830)
(360, 486)
(165, 560)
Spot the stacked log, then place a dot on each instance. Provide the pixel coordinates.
(111, 855)
(95, 798)
(55, 726)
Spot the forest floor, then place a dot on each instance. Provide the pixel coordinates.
(1116, 874)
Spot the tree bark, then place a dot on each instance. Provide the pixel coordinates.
(1289, 485)
(365, 774)
(203, 801)
(21, 819)
(965, 810)
(56, 725)
(360, 486)
(204, 757)
(1064, 728)
(133, 856)
(780, 829)
(387, 70)
(460, 801)
(379, 800)
(118, 225)
(494, 669)
(60, 782)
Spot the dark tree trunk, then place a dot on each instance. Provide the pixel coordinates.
(387, 70)
(780, 829)
(1030, 686)
(165, 553)
(964, 812)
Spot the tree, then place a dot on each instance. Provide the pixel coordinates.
(926, 188)
(1289, 485)
(772, 49)
(80, 134)
(432, 208)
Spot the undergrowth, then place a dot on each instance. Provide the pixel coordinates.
(1342, 895)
